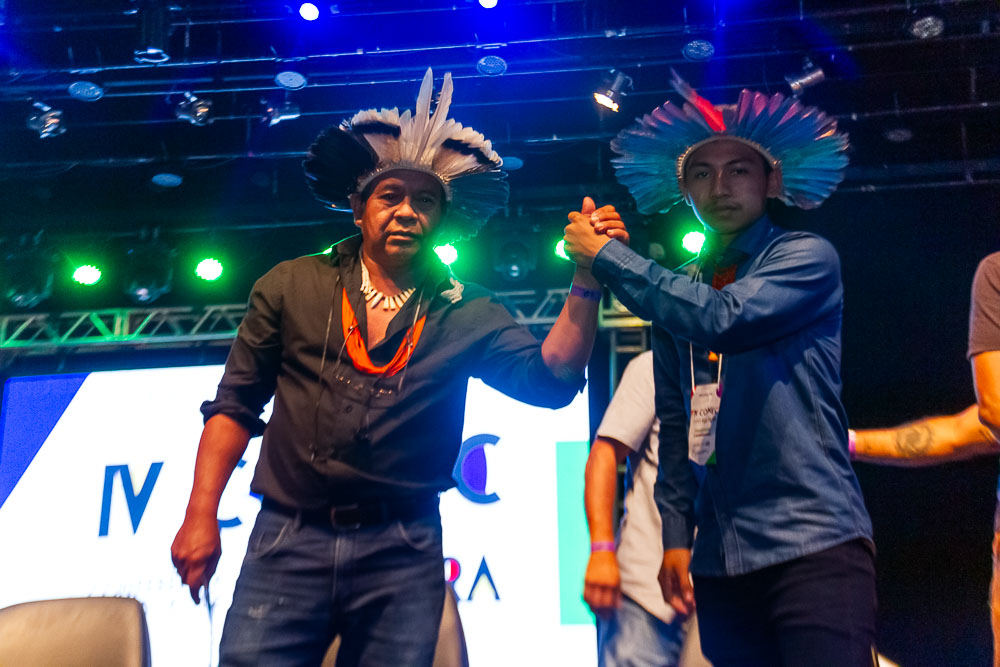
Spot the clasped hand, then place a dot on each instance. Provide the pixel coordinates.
(589, 229)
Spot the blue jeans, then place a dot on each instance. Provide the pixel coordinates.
(381, 588)
(633, 637)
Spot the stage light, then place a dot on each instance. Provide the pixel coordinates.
(560, 250)
(167, 179)
(194, 110)
(488, 4)
(810, 76)
(210, 269)
(27, 273)
(88, 275)
(693, 241)
(698, 50)
(514, 260)
(149, 272)
(46, 121)
(275, 113)
(309, 11)
(511, 163)
(491, 65)
(154, 32)
(898, 135)
(446, 253)
(85, 91)
(612, 90)
(290, 80)
(924, 25)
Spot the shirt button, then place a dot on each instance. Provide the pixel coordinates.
(348, 408)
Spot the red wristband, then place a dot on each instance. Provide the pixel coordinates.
(601, 546)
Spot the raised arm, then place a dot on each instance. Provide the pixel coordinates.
(566, 349)
(928, 441)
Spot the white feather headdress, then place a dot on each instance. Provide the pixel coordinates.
(345, 159)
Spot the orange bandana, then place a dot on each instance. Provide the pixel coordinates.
(359, 353)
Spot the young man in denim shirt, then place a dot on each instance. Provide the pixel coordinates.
(747, 371)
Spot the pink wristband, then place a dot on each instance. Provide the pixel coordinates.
(601, 546)
(852, 443)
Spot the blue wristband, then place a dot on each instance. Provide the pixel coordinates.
(584, 293)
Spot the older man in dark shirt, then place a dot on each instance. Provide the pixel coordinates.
(367, 352)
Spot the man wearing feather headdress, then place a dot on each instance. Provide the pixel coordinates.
(747, 376)
(367, 351)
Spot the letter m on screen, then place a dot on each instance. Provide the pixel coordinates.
(136, 502)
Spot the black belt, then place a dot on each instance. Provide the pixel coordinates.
(362, 514)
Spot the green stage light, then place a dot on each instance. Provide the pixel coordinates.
(446, 253)
(88, 274)
(561, 250)
(693, 241)
(209, 269)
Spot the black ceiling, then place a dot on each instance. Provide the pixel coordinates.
(91, 184)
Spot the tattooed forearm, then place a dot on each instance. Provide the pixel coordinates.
(914, 440)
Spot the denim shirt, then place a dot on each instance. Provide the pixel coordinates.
(782, 485)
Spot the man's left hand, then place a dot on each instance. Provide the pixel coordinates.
(589, 229)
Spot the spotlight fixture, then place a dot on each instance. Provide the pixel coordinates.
(309, 11)
(514, 260)
(809, 77)
(194, 110)
(28, 273)
(154, 32)
(511, 163)
(698, 50)
(149, 271)
(275, 113)
(898, 135)
(85, 91)
(924, 25)
(167, 179)
(487, 4)
(46, 121)
(693, 241)
(447, 253)
(290, 80)
(491, 65)
(612, 90)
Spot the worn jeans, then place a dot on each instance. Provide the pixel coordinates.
(632, 637)
(381, 588)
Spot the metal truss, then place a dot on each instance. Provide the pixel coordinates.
(189, 326)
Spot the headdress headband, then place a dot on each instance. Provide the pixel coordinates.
(345, 159)
(801, 141)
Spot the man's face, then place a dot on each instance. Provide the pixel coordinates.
(727, 185)
(399, 218)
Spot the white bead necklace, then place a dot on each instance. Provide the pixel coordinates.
(373, 296)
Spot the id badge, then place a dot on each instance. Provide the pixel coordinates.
(705, 403)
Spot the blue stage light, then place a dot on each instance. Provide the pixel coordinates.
(309, 11)
(488, 4)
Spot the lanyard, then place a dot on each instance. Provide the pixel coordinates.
(718, 377)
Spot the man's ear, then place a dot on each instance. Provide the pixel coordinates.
(686, 195)
(775, 183)
(358, 207)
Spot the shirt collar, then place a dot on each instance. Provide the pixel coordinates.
(747, 244)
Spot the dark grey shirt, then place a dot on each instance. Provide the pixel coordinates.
(344, 435)
(984, 313)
